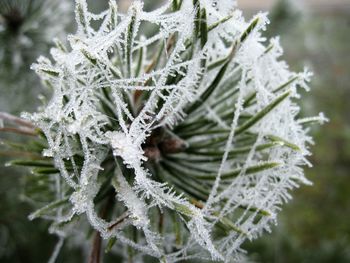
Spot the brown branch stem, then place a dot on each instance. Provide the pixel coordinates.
(95, 254)
(14, 119)
(119, 220)
(21, 154)
(20, 130)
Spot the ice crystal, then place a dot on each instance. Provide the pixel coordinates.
(187, 113)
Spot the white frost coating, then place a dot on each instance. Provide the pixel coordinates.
(120, 100)
(56, 250)
(136, 207)
(124, 147)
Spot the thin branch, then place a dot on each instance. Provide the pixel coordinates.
(96, 249)
(119, 220)
(95, 254)
(21, 154)
(20, 130)
(15, 119)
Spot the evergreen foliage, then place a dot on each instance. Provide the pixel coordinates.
(179, 144)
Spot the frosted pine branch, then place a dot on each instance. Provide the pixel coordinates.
(184, 116)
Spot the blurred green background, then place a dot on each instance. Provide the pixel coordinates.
(315, 225)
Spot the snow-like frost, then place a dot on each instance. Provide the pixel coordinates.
(125, 103)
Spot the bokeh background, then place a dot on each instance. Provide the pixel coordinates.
(315, 225)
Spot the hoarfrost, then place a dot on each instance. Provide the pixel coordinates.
(120, 84)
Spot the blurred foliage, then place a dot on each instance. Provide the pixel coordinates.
(284, 14)
(315, 226)
(26, 31)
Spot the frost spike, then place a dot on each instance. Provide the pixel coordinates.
(250, 29)
(110, 244)
(283, 142)
(89, 56)
(176, 4)
(250, 100)
(113, 12)
(129, 41)
(197, 20)
(262, 113)
(44, 210)
(139, 63)
(203, 27)
(41, 171)
(216, 24)
(51, 72)
(80, 13)
(242, 39)
(237, 151)
(30, 163)
(227, 225)
(60, 45)
(206, 94)
(250, 170)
